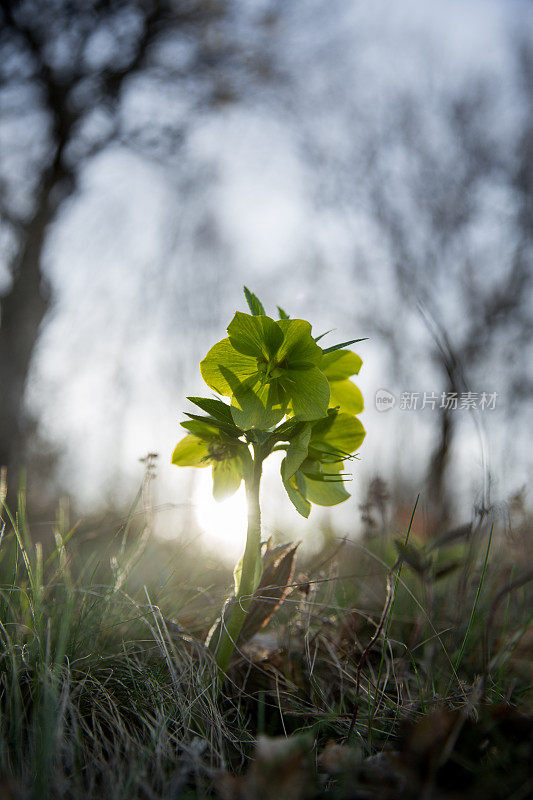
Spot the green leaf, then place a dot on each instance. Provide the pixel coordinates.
(227, 476)
(318, 338)
(337, 436)
(347, 396)
(298, 347)
(344, 344)
(254, 303)
(297, 451)
(282, 314)
(300, 503)
(223, 362)
(340, 364)
(191, 452)
(215, 408)
(201, 429)
(285, 431)
(309, 392)
(245, 459)
(258, 337)
(229, 428)
(256, 406)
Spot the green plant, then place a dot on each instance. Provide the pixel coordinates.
(285, 393)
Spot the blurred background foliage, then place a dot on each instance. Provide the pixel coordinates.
(366, 166)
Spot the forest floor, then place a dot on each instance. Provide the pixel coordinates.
(393, 669)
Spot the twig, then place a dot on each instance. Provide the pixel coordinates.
(368, 648)
(507, 589)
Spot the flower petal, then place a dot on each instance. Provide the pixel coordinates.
(337, 436)
(298, 346)
(256, 336)
(191, 452)
(340, 364)
(227, 476)
(256, 406)
(297, 451)
(325, 492)
(223, 362)
(308, 390)
(301, 505)
(347, 396)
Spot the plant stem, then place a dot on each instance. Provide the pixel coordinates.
(231, 624)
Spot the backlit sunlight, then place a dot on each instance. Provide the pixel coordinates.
(223, 523)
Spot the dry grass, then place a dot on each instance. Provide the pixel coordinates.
(389, 671)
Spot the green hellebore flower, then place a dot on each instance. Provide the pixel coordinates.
(270, 368)
(206, 446)
(312, 471)
(338, 367)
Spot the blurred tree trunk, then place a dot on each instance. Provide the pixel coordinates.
(24, 306)
(22, 311)
(438, 494)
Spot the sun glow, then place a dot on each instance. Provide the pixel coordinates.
(224, 523)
